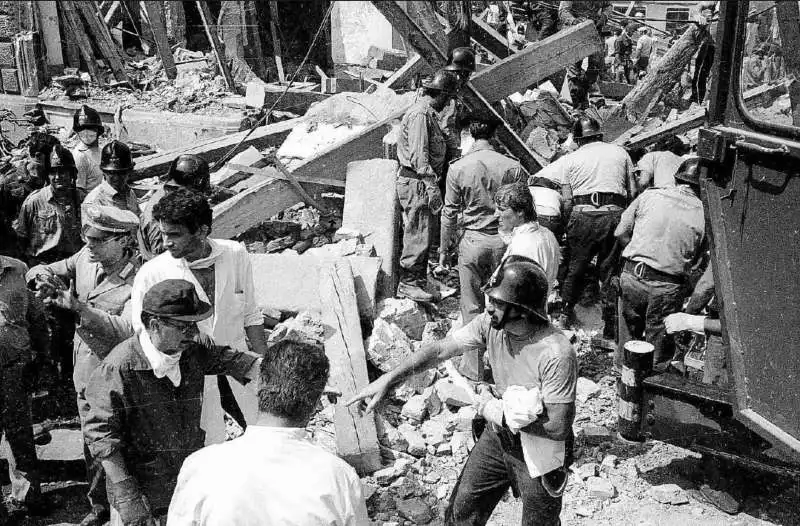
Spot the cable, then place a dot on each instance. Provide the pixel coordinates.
(263, 119)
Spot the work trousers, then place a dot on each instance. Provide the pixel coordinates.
(578, 78)
(417, 226)
(15, 420)
(479, 254)
(589, 234)
(95, 476)
(552, 223)
(490, 470)
(645, 304)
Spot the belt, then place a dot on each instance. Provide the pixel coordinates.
(646, 272)
(598, 199)
(543, 182)
(405, 171)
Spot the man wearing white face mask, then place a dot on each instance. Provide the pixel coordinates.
(87, 124)
(145, 401)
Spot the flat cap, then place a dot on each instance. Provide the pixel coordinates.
(175, 299)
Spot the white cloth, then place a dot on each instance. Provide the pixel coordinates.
(269, 475)
(234, 309)
(163, 364)
(541, 454)
(521, 406)
(539, 244)
(546, 201)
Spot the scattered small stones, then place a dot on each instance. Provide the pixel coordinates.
(415, 409)
(415, 510)
(595, 435)
(414, 439)
(585, 471)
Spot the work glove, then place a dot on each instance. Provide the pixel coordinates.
(680, 321)
(489, 407)
(129, 502)
(521, 406)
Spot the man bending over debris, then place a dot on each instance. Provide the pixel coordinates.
(527, 440)
(421, 151)
(272, 474)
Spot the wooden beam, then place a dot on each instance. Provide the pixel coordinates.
(356, 435)
(416, 65)
(683, 124)
(213, 149)
(102, 37)
(487, 37)
(537, 61)
(276, 174)
(216, 46)
(75, 28)
(155, 14)
(427, 38)
(276, 40)
(288, 176)
(112, 10)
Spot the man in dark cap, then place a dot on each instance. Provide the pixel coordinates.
(86, 123)
(186, 171)
(421, 152)
(100, 278)
(663, 232)
(145, 401)
(471, 184)
(117, 166)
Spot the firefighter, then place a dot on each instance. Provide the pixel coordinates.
(86, 123)
(421, 152)
(663, 235)
(186, 171)
(117, 165)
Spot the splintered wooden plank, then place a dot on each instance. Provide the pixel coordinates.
(537, 61)
(486, 36)
(356, 435)
(155, 13)
(102, 37)
(75, 28)
(416, 65)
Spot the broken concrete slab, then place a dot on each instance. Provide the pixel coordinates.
(452, 394)
(227, 176)
(291, 282)
(415, 410)
(600, 488)
(669, 494)
(213, 149)
(371, 207)
(404, 313)
(388, 345)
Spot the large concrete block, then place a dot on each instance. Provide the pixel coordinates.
(290, 282)
(371, 207)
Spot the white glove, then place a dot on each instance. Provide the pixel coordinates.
(680, 321)
(521, 406)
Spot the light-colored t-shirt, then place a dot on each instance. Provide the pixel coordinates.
(546, 201)
(658, 169)
(594, 167)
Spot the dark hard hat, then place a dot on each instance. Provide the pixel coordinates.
(444, 81)
(523, 284)
(86, 118)
(689, 172)
(189, 170)
(61, 158)
(461, 59)
(116, 157)
(586, 127)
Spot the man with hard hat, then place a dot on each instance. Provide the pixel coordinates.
(421, 153)
(596, 183)
(100, 277)
(526, 442)
(117, 166)
(86, 123)
(145, 401)
(663, 234)
(186, 171)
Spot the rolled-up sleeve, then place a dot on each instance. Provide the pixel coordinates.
(104, 423)
(224, 360)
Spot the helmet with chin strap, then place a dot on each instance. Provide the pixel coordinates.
(522, 283)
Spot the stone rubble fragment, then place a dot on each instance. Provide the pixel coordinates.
(388, 345)
(404, 313)
(453, 394)
(669, 494)
(600, 488)
(586, 390)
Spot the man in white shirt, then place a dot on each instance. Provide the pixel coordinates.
(643, 51)
(523, 234)
(272, 474)
(658, 167)
(221, 272)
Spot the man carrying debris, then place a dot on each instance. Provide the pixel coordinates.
(86, 123)
(99, 280)
(221, 273)
(573, 12)
(117, 166)
(186, 171)
(421, 151)
(526, 442)
(145, 401)
(596, 182)
(663, 234)
(273, 474)
(471, 184)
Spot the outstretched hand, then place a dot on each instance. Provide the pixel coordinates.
(64, 299)
(371, 395)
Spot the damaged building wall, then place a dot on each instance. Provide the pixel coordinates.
(357, 26)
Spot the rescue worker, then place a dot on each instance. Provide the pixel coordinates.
(547, 203)
(596, 182)
(100, 277)
(623, 47)
(86, 123)
(663, 235)
(471, 184)
(527, 439)
(642, 52)
(570, 13)
(421, 152)
(186, 171)
(24, 348)
(30, 175)
(658, 167)
(117, 166)
(145, 401)
(705, 53)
